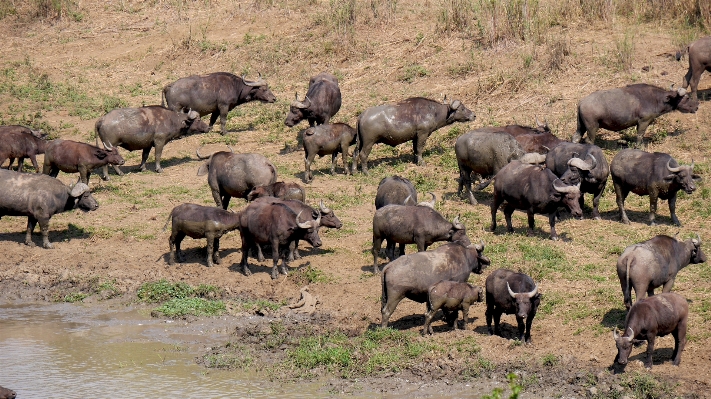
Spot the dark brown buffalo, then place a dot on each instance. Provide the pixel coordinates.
(395, 190)
(7, 393)
(281, 190)
(324, 140)
(322, 101)
(532, 139)
(655, 263)
(634, 105)
(39, 197)
(655, 174)
(699, 61)
(72, 157)
(451, 297)
(650, 318)
(511, 293)
(411, 276)
(411, 120)
(197, 221)
(534, 190)
(144, 128)
(216, 94)
(21, 142)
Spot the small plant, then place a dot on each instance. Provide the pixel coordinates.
(515, 387)
(75, 297)
(550, 360)
(310, 275)
(163, 290)
(411, 72)
(624, 51)
(645, 386)
(181, 307)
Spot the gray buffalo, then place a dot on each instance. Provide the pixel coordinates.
(280, 189)
(330, 139)
(511, 293)
(21, 142)
(451, 297)
(395, 190)
(322, 101)
(699, 61)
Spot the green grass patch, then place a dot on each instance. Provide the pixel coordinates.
(232, 357)
(310, 275)
(258, 305)
(163, 290)
(543, 260)
(180, 307)
(75, 297)
(645, 386)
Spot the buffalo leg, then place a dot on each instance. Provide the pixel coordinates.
(626, 292)
(668, 286)
(428, 318)
(465, 316)
(213, 118)
(179, 239)
(650, 349)
(246, 244)
(33, 159)
(216, 251)
(31, 223)
(402, 250)
(596, 203)
(494, 208)
(344, 156)
(679, 342)
(210, 248)
(144, 158)
(621, 195)
(641, 129)
(275, 259)
(529, 321)
(20, 164)
(672, 210)
(377, 243)
(223, 119)
(308, 176)
(508, 211)
(334, 160)
(465, 182)
(171, 245)
(84, 174)
(224, 200)
(388, 310)
(551, 221)
(531, 223)
(418, 147)
(364, 152)
(521, 329)
(653, 200)
(694, 82)
(53, 171)
(497, 321)
(44, 228)
(159, 152)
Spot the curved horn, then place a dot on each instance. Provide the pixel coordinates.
(430, 204)
(456, 224)
(317, 222)
(480, 247)
(107, 146)
(201, 157)
(323, 208)
(532, 293)
(615, 334)
(78, 189)
(579, 163)
(532, 158)
(455, 104)
(296, 96)
(631, 337)
(307, 102)
(594, 161)
(256, 83)
(673, 170)
(692, 165)
(231, 150)
(696, 241)
(538, 123)
(681, 91)
(513, 294)
(566, 189)
(305, 225)
(408, 199)
(546, 148)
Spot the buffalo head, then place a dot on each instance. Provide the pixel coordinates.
(524, 301)
(681, 101)
(683, 175)
(457, 112)
(483, 261)
(624, 345)
(458, 232)
(328, 218)
(569, 196)
(297, 111)
(259, 90)
(82, 197)
(697, 255)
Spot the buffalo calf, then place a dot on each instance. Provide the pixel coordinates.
(330, 139)
(72, 157)
(451, 297)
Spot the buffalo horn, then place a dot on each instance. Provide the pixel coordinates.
(305, 225)
(566, 189)
(696, 241)
(323, 208)
(107, 146)
(408, 199)
(513, 294)
(456, 224)
(631, 337)
(681, 91)
(615, 334)
(692, 165)
(317, 222)
(296, 96)
(256, 83)
(579, 163)
(532, 158)
(673, 170)
(538, 123)
(200, 157)
(79, 189)
(430, 204)
(546, 148)
(231, 150)
(532, 293)
(192, 115)
(455, 104)
(480, 247)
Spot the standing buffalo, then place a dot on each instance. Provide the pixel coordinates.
(324, 140)
(323, 100)
(655, 263)
(591, 166)
(39, 197)
(633, 105)
(235, 175)
(216, 94)
(654, 174)
(699, 61)
(281, 190)
(411, 120)
(21, 142)
(532, 139)
(535, 190)
(451, 297)
(650, 318)
(395, 190)
(72, 157)
(411, 276)
(144, 128)
(511, 293)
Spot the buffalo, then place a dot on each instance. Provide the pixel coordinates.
(511, 293)
(324, 140)
(655, 263)
(532, 139)
(216, 94)
(655, 174)
(395, 190)
(281, 190)
(6, 393)
(39, 197)
(633, 105)
(72, 157)
(411, 120)
(323, 100)
(451, 297)
(21, 142)
(699, 61)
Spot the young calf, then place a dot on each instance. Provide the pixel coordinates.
(650, 318)
(199, 221)
(451, 297)
(324, 140)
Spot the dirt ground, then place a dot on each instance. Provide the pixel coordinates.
(128, 50)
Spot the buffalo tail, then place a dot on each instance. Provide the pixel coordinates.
(168, 221)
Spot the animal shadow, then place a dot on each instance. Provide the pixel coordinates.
(199, 255)
(614, 318)
(636, 216)
(174, 161)
(704, 95)
(508, 331)
(72, 231)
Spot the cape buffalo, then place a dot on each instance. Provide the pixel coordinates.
(39, 197)
(411, 276)
(324, 140)
(322, 101)
(633, 105)
(216, 94)
(532, 139)
(395, 190)
(21, 142)
(511, 293)
(280, 190)
(451, 297)
(655, 174)
(72, 157)
(6, 393)
(650, 318)
(655, 263)
(699, 61)
(411, 120)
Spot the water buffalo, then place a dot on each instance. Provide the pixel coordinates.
(511, 293)
(484, 152)
(324, 140)
(655, 263)
(323, 100)
(650, 318)
(699, 61)
(197, 221)
(405, 224)
(451, 297)
(39, 197)
(535, 190)
(277, 225)
(655, 174)
(281, 190)
(633, 105)
(144, 128)
(216, 94)
(235, 175)
(411, 276)
(590, 165)
(72, 157)
(411, 120)
(395, 190)
(21, 142)
(7, 393)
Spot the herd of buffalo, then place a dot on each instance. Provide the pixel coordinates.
(532, 170)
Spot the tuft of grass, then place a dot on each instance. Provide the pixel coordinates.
(624, 46)
(232, 357)
(645, 386)
(328, 351)
(163, 290)
(310, 275)
(412, 71)
(550, 360)
(75, 297)
(257, 305)
(181, 307)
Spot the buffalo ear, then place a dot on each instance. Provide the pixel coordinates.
(555, 196)
(101, 154)
(696, 177)
(204, 168)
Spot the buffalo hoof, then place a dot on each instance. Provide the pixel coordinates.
(554, 238)
(48, 245)
(29, 243)
(246, 271)
(217, 260)
(283, 270)
(159, 170)
(625, 221)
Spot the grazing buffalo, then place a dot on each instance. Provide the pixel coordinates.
(216, 94)
(197, 221)
(633, 105)
(21, 142)
(655, 263)
(277, 225)
(7, 393)
(484, 152)
(650, 318)
(411, 120)
(39, 197)
(699, 61)
(511, 293)
(411, 276)
(281, 190)
(655, 174)
(534, 190)
(451, 297)
(324, 140)
(72, 157)
(405, 224)
(590, 165)
(395, 190)
(235, 175)
(323, 100)
(144, 128)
